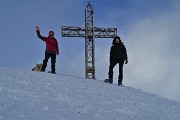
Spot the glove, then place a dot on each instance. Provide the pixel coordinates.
(37, 28)
(126, 61)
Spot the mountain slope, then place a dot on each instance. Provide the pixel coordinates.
(43, 96)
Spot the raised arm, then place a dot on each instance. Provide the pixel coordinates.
(39, 34)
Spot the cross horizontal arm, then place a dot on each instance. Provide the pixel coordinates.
(105, 32)
(73, 31)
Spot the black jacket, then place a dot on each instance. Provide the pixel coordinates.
(118, 52)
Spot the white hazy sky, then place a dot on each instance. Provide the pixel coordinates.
(149, 29)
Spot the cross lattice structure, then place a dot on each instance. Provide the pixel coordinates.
(89, 32)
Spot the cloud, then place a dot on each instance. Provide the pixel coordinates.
(153, 50)
(153, 53)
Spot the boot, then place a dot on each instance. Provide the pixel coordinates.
(110, 81)
(119, 82)
(106, 80)
(53, 69)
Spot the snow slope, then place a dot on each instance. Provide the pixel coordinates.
(42, 96)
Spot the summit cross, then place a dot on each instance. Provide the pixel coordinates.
(89, 32)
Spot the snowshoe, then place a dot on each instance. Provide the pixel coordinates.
(120, 83)
(108, 81)
(52, 72)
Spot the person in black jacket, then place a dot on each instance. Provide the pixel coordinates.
(118, 54)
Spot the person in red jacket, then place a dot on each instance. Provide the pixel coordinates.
(52, 50)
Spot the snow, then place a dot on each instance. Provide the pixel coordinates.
(42, 96)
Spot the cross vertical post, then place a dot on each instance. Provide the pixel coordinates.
(89, 42)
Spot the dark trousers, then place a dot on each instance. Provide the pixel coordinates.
(53, 62)
(112, 65)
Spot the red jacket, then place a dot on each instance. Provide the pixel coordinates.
(51, 43)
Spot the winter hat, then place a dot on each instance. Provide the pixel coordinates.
(51, 32)
(114, 40)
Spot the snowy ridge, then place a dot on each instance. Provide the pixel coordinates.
(42, 96)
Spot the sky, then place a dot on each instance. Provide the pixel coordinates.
(148, 28)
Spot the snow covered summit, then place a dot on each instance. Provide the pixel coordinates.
(42, 96)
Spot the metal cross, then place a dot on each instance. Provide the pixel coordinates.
(89, 32)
